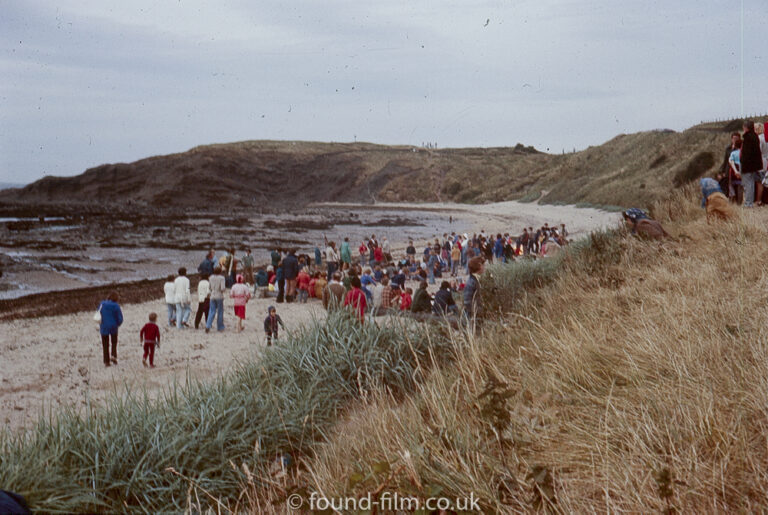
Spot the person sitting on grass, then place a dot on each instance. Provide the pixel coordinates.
(150, 337)
(444, 303)
(422, 302)
(271, 323)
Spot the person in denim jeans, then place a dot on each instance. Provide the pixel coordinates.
(183, 299)
(218, 288)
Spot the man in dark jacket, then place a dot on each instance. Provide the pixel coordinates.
(751, 162)
(421, 300)
(290, 272)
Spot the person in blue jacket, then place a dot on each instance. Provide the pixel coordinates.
(111, 319)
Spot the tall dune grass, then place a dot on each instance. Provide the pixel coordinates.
(141, 455)
(631, 382)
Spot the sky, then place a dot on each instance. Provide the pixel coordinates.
(88, 82)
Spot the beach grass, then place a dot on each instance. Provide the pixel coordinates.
(141, 455)
(632, 379)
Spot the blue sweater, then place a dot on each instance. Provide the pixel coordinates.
(111, 317)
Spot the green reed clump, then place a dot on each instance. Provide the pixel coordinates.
(503, 284)
(120, 456)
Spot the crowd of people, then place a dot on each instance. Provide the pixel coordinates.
(373, 283)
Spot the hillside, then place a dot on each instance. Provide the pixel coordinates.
(633, 169)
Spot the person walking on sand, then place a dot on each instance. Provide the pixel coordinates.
(170, 300)
(149, 337)
(241, 294)
(111, 320)
(183, 299)
(218, 288)
(271, 323)
(355, 299)
(203, 300)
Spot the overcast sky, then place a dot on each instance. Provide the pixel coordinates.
(88, 82)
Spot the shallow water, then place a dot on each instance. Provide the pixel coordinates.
(41, 258)
(33, 270)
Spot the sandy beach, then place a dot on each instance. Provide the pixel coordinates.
(53, 362)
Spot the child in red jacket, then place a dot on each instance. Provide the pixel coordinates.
(150, 336)
(303, 281)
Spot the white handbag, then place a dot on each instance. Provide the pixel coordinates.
(97, 315)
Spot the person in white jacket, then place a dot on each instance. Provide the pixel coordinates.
(183, 298)
(170, 300)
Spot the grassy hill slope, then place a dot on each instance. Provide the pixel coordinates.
(633, 380)
(634, 169)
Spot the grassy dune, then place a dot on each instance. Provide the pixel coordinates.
(623, 375)
(634, 378)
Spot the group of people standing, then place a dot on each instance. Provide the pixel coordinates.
(742, 176)
(370, 285)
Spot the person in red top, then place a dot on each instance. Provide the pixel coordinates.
(362, 250)
(406, 299)
(302, 281)
(356, 298)
(378, 255)
(150, 336)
